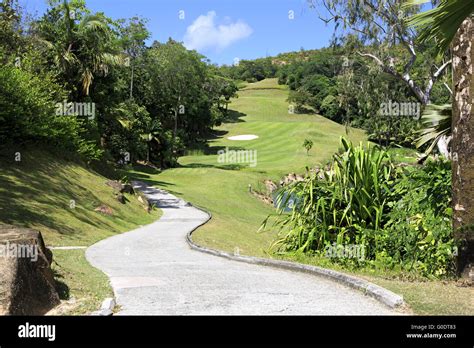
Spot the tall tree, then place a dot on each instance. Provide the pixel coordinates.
(133, 37)
(463, 142)
(179, 75)
(380, 25)
(11, 39)
(82, 44)
(451, 23)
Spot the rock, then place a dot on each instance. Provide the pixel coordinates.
(299, 178)
(27, 285)
(264, 198)
(116, 185)
(127, 188)
(270, 185)
(103, 313)
(119, 187)
(291, 178)
(108, 303)
(121, 198)
(144, 201)
(104, 209)
(106, 312)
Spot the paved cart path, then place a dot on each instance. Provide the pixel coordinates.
(153, 271)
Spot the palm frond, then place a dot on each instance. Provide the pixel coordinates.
(43, 42)
(440, 23)
(93, 23)
(437, 122)
(113, 59)
(126, 124)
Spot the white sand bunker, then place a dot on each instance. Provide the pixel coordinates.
(244, 137)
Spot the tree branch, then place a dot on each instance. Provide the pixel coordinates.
(442, 68)
(336, 17)
(434, 78)
(405, 77)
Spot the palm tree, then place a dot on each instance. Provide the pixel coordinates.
(84, 48)
(451, 24)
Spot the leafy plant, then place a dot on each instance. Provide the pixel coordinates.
(307, 144)
(350, 196)
(400, 217)
(437, 123)
(440, 23)
(418, 234)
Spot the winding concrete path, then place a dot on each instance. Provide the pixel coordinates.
(153, 271)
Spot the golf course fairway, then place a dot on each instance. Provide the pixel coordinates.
(205, 179)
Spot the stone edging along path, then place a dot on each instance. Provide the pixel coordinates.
(379, 293)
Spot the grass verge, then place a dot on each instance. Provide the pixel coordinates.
(58, 196)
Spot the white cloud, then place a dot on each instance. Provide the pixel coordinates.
(204, 34)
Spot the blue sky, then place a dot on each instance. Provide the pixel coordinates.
(222, 30)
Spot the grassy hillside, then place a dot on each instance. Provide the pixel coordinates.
(37, 192)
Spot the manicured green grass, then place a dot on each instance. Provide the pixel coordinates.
(81, 285)
(404, 155)
(222, 189)
(37, 192)
(432, 297)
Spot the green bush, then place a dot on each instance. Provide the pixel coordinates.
(351, 197)
(128, 128)
(28, 113)
(330, 108)
(418, 233)
(400, 217)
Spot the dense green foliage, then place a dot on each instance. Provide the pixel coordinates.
(28, 112)
(418, 234)
(151, 102)
(148, 103)
(348, 90)
(251, 70)
(400, 217)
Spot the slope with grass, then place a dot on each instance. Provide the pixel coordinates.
(223, 188)
(57, 197)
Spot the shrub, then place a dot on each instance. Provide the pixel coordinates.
(400, 217)
(351, 197)
(330, 108)
(28, 113)
(418, 233)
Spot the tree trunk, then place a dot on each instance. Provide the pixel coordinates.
(175, 128)
(131, 83)
(148, 152)
(463, 146)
